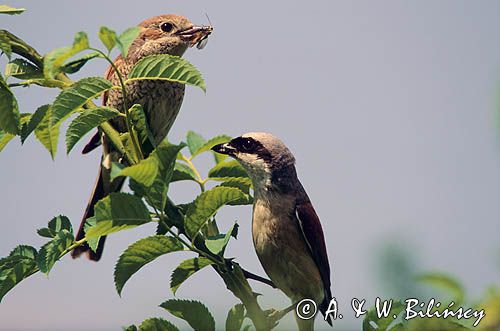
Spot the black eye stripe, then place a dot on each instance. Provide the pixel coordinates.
(250, 146)
(245, 145)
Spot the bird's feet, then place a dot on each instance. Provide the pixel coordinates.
(273, 315)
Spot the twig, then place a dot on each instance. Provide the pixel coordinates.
(249, 275)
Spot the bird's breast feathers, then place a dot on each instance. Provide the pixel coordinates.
(283, 252)
(161, 101)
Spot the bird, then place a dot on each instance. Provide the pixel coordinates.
(161, 100)
(287, 233)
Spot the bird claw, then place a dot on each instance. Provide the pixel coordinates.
(274, 315)
(271, 312)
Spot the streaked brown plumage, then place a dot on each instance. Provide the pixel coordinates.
(161, 100)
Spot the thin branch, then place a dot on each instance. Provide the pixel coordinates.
(191, 165)
(249, 275)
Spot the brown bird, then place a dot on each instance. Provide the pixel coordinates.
(161, 100)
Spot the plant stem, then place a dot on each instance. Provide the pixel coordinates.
(188, 244)
(51, 83)
(130, 129)
(191, 165)
(238, 284)
(75, 244)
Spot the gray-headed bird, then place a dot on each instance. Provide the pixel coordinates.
(287, 233)
(161, 100)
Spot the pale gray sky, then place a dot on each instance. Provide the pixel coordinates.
(389, 107)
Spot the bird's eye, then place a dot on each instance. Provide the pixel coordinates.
(247, 145)
(166, 27)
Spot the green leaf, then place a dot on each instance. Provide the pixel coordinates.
(141, 253)
(490, 302)
(130, 328)
(54, 60)
(5, 47)
(219, 157)
(129, 146)
(32, 123)
(74, 97)
(108, 37)
(19, 265)
(9, 278)
(157, 324)
(47, 133)
(446, 283)
(211, 143)
(194, 141)
(116, 212)
(185, 270)
(381, 324)
(206, 205)
(10, 10)
(235, 318)
(167, 67)
(9, 111)
(244, 184)
(182, 172)
(52, 251)
(86, 121)
(94, 241)
(56, 225)
(10, 43)
(22, 69)
(4, 139)
(75, 65)
(139, 122)
(19, 252)
(116, 168)
(24, 251)
(156, 194)
(144, 172)
(126, 38)
(228, 170)
(217, 244)
(193, 312)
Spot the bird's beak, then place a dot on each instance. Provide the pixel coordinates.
(224, 149)
(195, 34)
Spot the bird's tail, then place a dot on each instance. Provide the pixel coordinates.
(308, 325)
(101, 190)
(324, 305)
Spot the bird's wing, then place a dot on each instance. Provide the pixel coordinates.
(313, 235)
(315, 239)
(95, 141)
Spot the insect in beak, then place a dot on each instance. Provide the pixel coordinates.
(202, 43)
(204, 40)
(196, 35)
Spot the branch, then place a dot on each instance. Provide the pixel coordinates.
(237, 283)
(249, 275)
